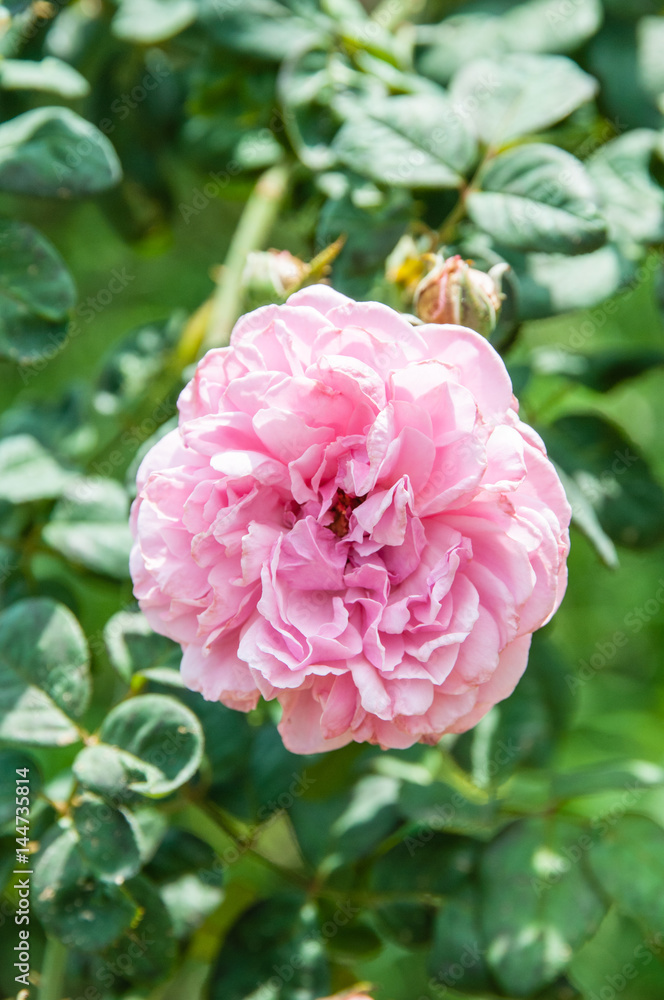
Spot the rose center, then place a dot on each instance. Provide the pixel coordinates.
(341, 508)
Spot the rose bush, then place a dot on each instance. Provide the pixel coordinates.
(350, 518)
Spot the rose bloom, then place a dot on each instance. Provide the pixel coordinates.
(350, 518)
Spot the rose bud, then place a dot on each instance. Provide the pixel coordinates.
(455, 292)
(270, 276)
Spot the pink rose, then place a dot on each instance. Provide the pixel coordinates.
(350, 518)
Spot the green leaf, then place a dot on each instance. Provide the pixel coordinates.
(537, 26)
(371, 234)
(537, 197)
(538, 907)
(162, 734)
(109, 839)
(36, 295)
(44, 673)
(549, 26)
(613, 59)
(556, 283)
(649, 44)
(53, 152)
(619, 959)
(148, 21)
(602, 370)
(133, 648)
(49, 74)
(306, 86)
(584, 517)
(266, 29)
(438, 806)
(524, 728)
(72, 904)
(458, 40)
(42, 642)
(189, 900)
(458, 942)
(89, 527)
(519, 94)
(410, 140)
(370, 815)
(407, 924)
(28, 472)
(631, 201)
(628, 861)
(10, 762)
(134, 363)
(147, 951)
(112, 773)
(628, 775)
(612, 474)
(424, 862)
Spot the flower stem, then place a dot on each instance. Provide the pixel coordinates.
(253, 229)
(210, 827)
(52, 983)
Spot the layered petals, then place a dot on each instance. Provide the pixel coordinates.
(352, 519)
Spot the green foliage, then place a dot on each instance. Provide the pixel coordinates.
(176, 848)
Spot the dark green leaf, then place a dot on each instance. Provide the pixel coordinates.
(613, 476)
(29, 472)
(650, 40)
(612, 58)
(458, 943)
(150, 21)
(370, 816)
(549, 26)
(133, 648)
(584, 517)
(370, 235)
(36, 295)
(537, 197)
(148, 949)
(620, 959)
(109, 839)
(519, 94)
(534, 26)
(72, 905)
(44, 673)
(538, 906)
(113, 773)
(554, 283)
(628, 861)
(420, 139)
(53, 152)
(437, 806)
(161, 733)
(264, 28)
(189, 900)
(89, 526)
(407, 924)
(601, 370)
(12, 761)
(134, 363)
(631, 201)
(50, 74)
(424, 862)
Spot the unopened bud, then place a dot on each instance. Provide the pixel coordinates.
(270, 276)
(455, 292)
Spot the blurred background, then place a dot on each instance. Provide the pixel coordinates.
(526, 858)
